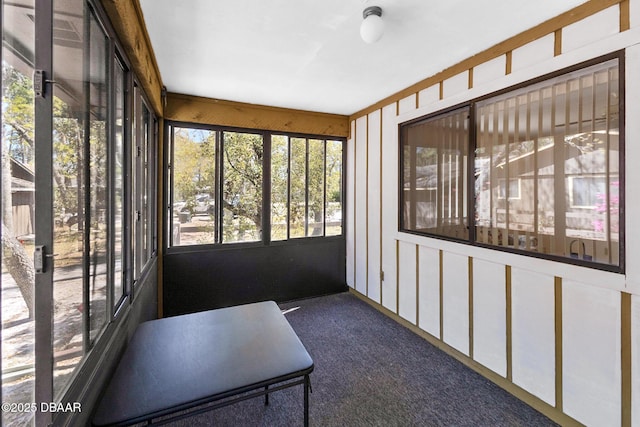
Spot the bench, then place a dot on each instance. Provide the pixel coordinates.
(214, 358)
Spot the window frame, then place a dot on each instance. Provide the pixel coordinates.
(307, 225)
(465, 179)
(502, 195)
(119, 301)
(572, 192)
(96, 345)
(143, 183)
(168, 179)
(470, 172)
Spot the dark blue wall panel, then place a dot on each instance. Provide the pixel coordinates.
(197, 280)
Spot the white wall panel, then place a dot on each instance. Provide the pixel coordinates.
(591, 354)
(632, 156)
(634, 15)
(407, 281)
(361, 206)
(591, 29)
(533, 333)
(350, 205)
(456, 84)
(429, 290)
(429, 95)
(489, 71)
(455, 295)
(591, 313)
(374, 206)
(635, 360)
(490, 316)
(389, 204)
(534, 52)
(407, 104)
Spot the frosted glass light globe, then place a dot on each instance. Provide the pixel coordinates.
(372, 28)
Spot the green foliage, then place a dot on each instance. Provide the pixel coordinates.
(242, 197)
(301, 169)
(68, 140)
(314, 164)
(193, 164)
(18, 114)
(279, 186)
(68, 146)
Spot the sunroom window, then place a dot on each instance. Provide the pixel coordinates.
(434, 189)
(250, 186)
(545, 169)
(557, 143)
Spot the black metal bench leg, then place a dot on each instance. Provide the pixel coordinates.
(306, 400)
(266, 395)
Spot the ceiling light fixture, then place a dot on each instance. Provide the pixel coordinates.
(372, 26)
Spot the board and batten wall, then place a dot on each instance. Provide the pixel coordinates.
(563, 338)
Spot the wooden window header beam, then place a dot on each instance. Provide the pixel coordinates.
(193, 109)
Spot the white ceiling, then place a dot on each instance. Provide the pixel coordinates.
(308, 55)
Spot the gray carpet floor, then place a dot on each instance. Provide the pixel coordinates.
(371, 371)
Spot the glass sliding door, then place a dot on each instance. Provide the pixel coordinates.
(18, 210)
(77, 177)
(119, 177)
(80, 185)
(97, 113)
(72, 125)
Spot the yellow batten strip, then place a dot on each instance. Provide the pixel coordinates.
(626, 360)
(366, 207)
(509, 314)
(397, 277)
(380, 204)
(557, 42)
(441, 284)
(418, 285)
(471, 307)
(355, 206)
(625, 19)
(558, 341)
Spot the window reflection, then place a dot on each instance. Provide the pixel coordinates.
(194, 177)
(242, 187)
(557, 145)
(546, 168)
(18, 214)
(75, 122)
(434, 184)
